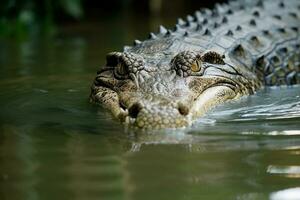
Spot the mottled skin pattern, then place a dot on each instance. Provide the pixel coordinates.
(176, 76)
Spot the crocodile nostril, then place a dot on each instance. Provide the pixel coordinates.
(134, 110)
(183, 109)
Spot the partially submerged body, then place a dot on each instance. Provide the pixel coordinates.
(216, 55)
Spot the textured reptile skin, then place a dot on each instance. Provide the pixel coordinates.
(215, 55)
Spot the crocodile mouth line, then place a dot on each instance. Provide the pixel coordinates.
(220, 89)
(209, 98)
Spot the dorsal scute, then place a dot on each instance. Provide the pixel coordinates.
(248, 23)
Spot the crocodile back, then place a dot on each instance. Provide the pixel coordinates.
(254, 35)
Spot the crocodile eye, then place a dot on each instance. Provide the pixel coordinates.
(196, 66)
(121, 69)
(124, 64)
(187, 63)
(115, 61)
(112, 59)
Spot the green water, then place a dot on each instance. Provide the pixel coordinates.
(55, 145)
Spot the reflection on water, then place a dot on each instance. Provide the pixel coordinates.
(287, 194)
(289, 171)
(55, 145)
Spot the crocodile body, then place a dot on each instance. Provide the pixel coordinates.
(215, 55)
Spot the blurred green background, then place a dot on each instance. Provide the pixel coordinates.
(23, 18)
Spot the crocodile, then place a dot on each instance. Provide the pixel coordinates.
(213, 56)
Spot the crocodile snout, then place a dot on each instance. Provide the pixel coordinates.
(158, 116)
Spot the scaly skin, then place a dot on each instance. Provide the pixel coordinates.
(216, 55)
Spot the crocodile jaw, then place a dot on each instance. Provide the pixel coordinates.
(154, 116)
(210, 98)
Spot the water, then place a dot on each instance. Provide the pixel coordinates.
(54, 144)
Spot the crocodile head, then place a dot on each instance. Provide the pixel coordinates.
(167, 90)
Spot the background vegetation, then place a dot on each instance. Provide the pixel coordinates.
(20, 18)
